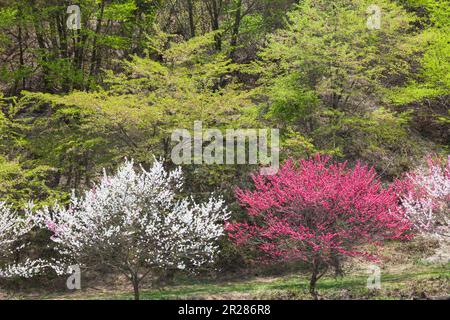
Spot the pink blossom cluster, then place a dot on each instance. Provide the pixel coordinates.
(317, 210)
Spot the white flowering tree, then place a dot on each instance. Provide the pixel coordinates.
(133, 222)
(427, 202)
(13, 228)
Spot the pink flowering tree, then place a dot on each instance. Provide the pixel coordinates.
(318, 212)
(427, 199)
(136, 223)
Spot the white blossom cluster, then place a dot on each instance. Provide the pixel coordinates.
(135, 222)
(13, 227)
(427, 203)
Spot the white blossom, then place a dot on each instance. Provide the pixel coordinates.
(13, 227)
(427, 203)
(135, 222)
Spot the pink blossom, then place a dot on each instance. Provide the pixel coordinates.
(315, 210)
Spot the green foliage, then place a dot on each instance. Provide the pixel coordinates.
(119, 90)
(325, 76)
(433, 77)
(81, 132)
(19, 184)
(60, 59)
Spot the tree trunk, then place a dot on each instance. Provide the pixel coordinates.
(42, 46)
(95, 60)
(191, 17)
(214, 10)
(237, 24)
(136, 287)
(235, 33)
(318, 271)
(312, 283)
(21, 55)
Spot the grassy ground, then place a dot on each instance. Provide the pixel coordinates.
(406, 274)
(419, 281)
